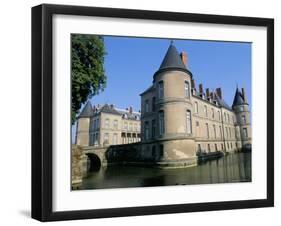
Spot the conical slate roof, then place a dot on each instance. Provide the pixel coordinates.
(87, 111)
(172, 60)
(238, 99)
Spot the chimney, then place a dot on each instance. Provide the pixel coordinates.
(201, 89)
(219, 93)
(131, 109)
(183, 56)
(207, 93)
(211, 95)
(244, 95)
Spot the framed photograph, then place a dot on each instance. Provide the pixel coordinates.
(145, 112)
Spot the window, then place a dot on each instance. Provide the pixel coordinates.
(196, 107)
(243, 119)
(209, 148)
(107, 123)
(106, 138)
(226, 132)
(96, 139)
(228, 118)
(241, 108)
(131, 126)
(205, 110)
(146, 130)
(231, 145)
(125, 126)
(229, 132)
(224, 116)
(98, 123)
(227, 145)
(161, 89)
(188, 122)
(220, 132)
(213, 113)
(199, 147)
(115, 124)
(207, 130)
(153, 103)
(216, 147)
(161, 123)
(221, 146)
(215, 132)
(153, 128)
(219, 115)
(245, 132)
(186, 89)
(135, 127)
(233, 119)
(146, 106)
(161, 150)
(115, 138)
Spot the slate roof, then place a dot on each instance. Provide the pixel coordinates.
(108, 109)
(87, 111)
(172, 61)
(127, 115)
(238, 98)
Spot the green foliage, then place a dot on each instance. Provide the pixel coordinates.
(87, 71)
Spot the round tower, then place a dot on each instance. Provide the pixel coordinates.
(242, 111)
(174, 108)
(83, 125)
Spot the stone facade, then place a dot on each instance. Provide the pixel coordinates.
(106, 125)
(178, 120)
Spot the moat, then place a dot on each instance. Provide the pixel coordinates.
(230, 168)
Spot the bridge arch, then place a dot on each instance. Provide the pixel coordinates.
(94, 162)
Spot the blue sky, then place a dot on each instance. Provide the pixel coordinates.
(131, 62)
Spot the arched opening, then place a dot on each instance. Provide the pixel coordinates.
(94, 162)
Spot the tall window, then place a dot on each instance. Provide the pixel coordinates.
(106, 138)
(146, 106)
(209, 148)
(199, 147)
(206, 110)
(96, 138)
(153, 128)
(196, 107)
(220, 132)
(186, 89)
(188, 122)
(115, 124)
(161, 123)
(216, 147)
(229, 132)
(219, 115)
(153, 103)
(125, 126)
(215, 132)
(131, 127)
(245, 132)
(115, 138)
(228, 118)
(146, 130)
(98, 123)
(135, 127)
(107, 123)
(207, 130)
(226, 131)
(243, 119)
(161, 89)
(213, 113)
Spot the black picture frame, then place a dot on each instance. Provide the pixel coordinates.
(42, 107)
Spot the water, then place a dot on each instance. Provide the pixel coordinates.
(228, 169)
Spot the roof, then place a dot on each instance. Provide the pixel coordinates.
(151, 88)
(172, 61)
(130, 115)
(108, 109)
(87, 111)
(238, 98)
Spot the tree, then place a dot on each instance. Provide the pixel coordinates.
(87, 70)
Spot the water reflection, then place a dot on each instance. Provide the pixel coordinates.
(230, 168)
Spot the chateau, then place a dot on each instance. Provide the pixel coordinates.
(177, 120)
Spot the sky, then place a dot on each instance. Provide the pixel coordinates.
(131, 62)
